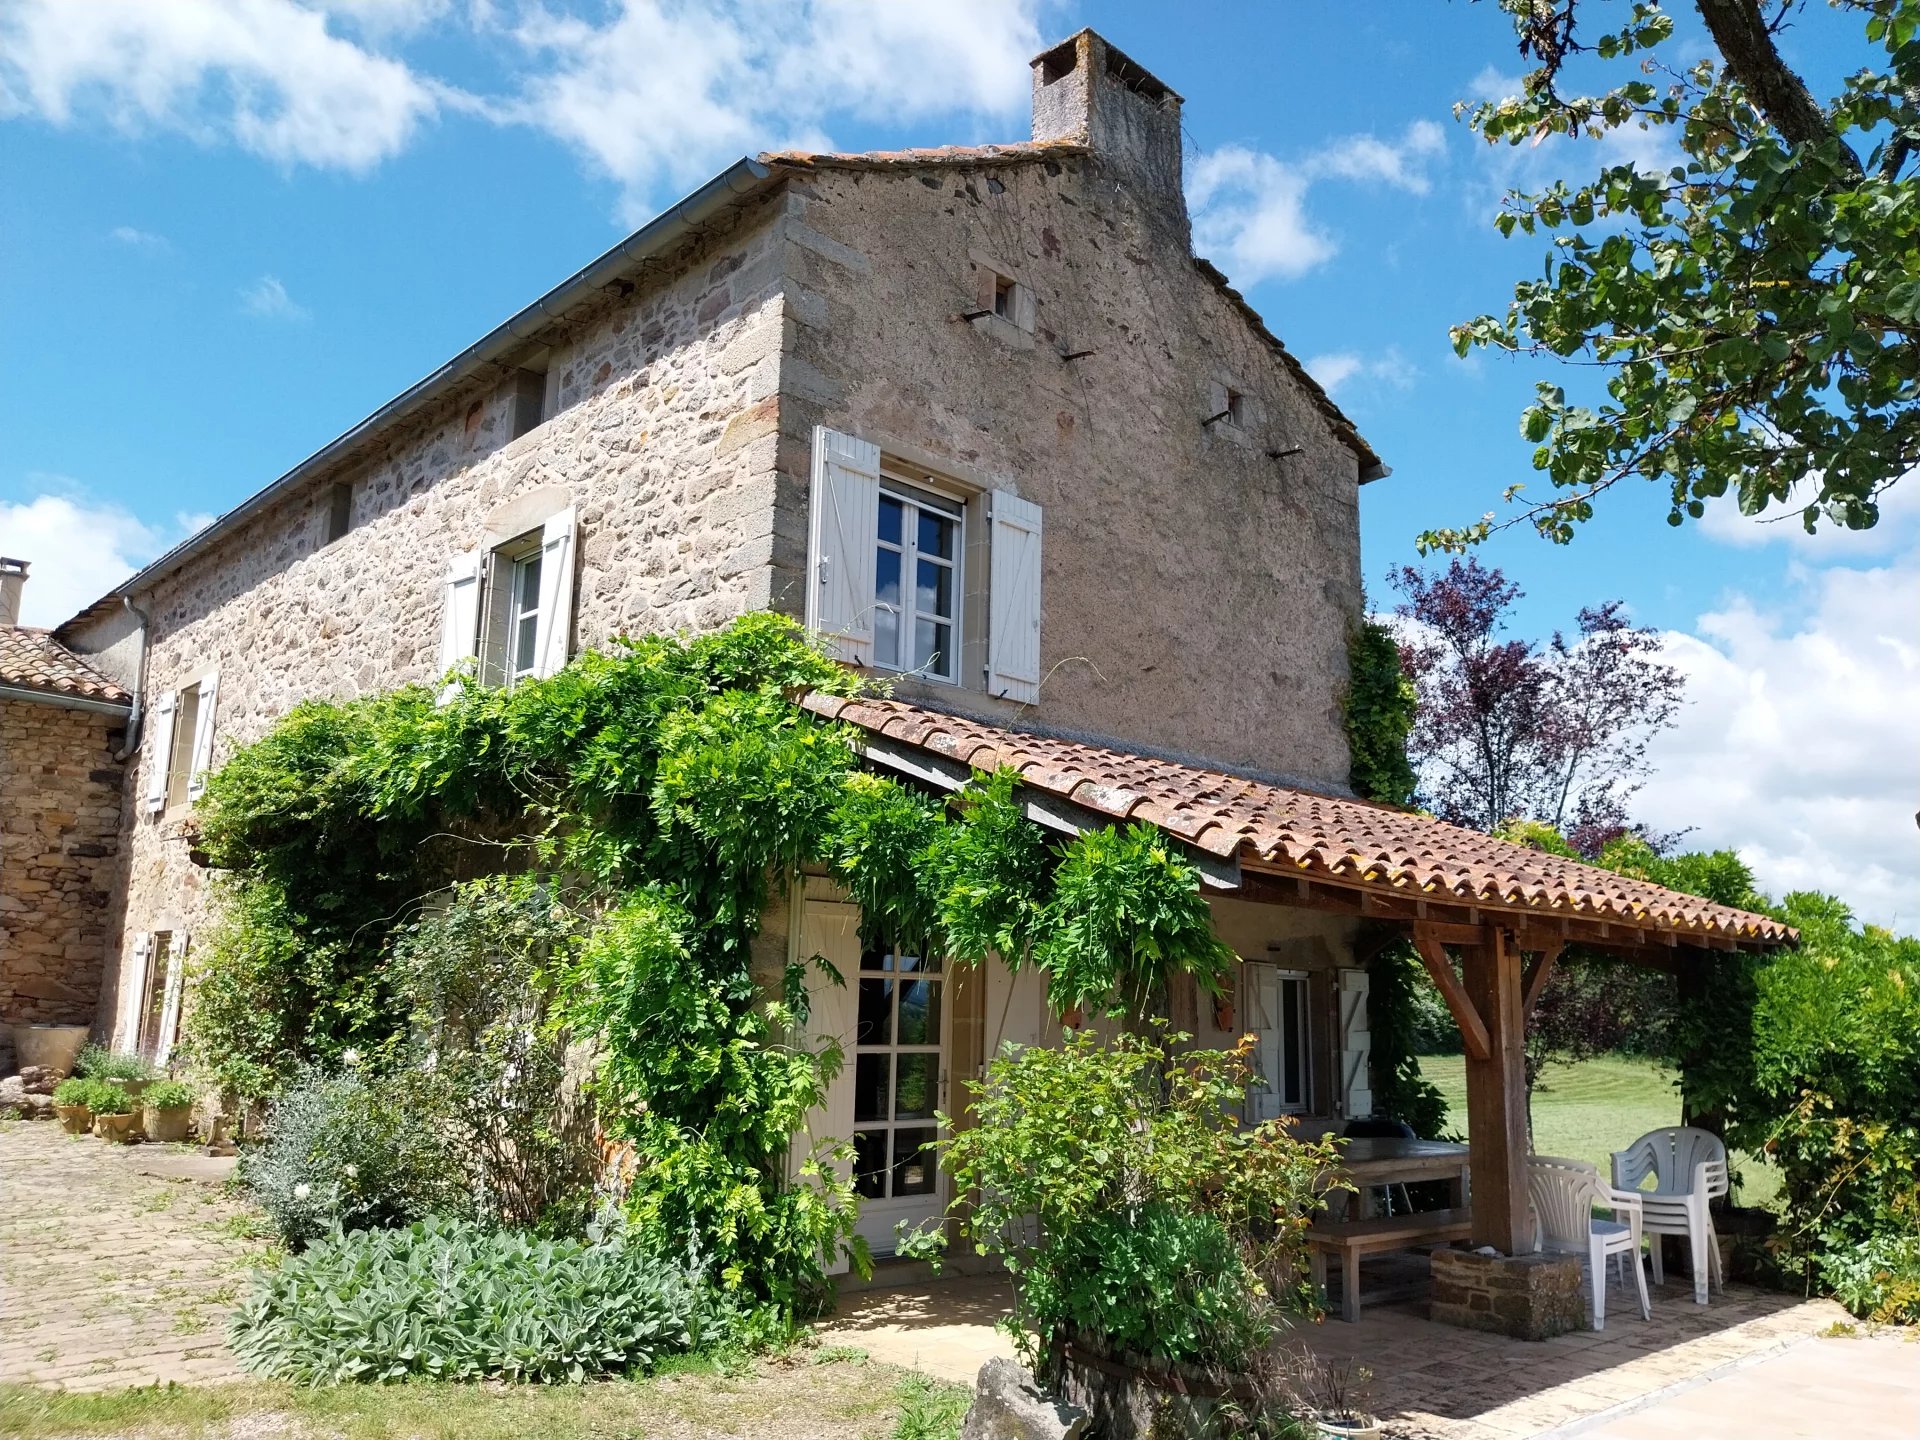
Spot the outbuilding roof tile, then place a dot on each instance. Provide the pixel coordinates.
(31, 659)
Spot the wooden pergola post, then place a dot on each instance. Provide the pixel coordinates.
(1497, 1095)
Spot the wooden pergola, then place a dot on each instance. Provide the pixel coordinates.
(1507, 912)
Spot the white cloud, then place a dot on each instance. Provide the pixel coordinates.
(267, 75)
(1250, 208)
(1898, 530)
(268, 299)
(1797, 746)
(78, 549)
(1341, 368)
(137, 239)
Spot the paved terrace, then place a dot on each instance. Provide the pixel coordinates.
(1750, 1366)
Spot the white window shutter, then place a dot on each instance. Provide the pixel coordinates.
(460, 619)
(830, 929)
(1261, 1015)
(133, 985)
(159, 752)
(1356, 1045)
(553, 628)
(202, 761)
(844, 527)
(1013, 636)
(170, 1004)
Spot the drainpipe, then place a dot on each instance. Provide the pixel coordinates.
(137, 712)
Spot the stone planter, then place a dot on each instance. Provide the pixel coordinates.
(115, 1128)
(54, 1046)
(1128, 1398)
(167, 1125)
(74, 1119)
(1530, 1297)
(1349, 1426)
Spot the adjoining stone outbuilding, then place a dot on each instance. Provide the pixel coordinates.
(62, 726)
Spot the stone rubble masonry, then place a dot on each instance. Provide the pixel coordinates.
(59, 841)
(1529, 1297)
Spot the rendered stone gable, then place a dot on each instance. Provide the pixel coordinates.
(1197, 591)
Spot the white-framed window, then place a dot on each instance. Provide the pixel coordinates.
(180, 731)
(916, 580)
(515, 642)
(887, 553)
(1279, 1013)
(510, 607)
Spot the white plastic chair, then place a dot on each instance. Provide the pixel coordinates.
(1689, 1170)
(1564, 1193)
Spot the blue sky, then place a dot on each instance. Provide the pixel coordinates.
(231, 228)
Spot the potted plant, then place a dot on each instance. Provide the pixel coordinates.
(1340, 1394)
(168, 1110)
(73, 1103)
(113, 1115)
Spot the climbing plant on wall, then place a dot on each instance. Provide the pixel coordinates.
(665, 787)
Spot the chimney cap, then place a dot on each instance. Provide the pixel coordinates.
(11, 566)
(1062, 59)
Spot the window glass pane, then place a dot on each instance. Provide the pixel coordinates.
(880, 959)
(870, 1164)
(920, 962)
(919, 1011)
(913, 1162)
(526, 582)
(890, 526)
(526, 631)
(1292, 1057)
(876, 1013)
(870, 1087)
(913, 1097)
(933, 595)
(932, 647)
(886, 611)
(935, 535)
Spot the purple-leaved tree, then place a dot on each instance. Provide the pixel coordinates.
(1509, 729)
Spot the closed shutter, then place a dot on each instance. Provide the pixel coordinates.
(460, 619)
(202, 761)
(1013, 636)
(133, 986)
(843, 527)
(553, 629)
(170, 1004)
(159, 752)
(830, 929)
(1356, 1046)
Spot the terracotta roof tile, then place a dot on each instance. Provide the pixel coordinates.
(1381, 848)
(32, 659)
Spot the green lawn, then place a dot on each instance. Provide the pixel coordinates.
(1588, 1110)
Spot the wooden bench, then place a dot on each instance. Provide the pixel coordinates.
(1351, 1239)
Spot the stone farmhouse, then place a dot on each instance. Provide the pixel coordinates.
(981, 417)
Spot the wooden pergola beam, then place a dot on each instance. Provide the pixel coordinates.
(1539, 971)
(1497, 1097)
(1473, 1029)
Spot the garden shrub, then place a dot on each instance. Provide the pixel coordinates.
(96, 1062)
(1879, 1280)
(167, 1095)
(1132, 1208)
(348, 1151)
(87, 1091)
(446, 1299)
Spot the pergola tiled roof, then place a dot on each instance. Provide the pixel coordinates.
(1298, 832)
(31, 659)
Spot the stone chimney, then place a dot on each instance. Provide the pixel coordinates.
(1086, 90)
(13, 577)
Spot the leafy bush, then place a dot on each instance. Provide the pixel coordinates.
(96, 1062)
(446, 1299)
(167, 1095)
(77, 1090)
(1879, 1280)
(106, 1098)
(345, 1152)
(1132, 1208)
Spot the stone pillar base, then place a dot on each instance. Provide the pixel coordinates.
(1530, 1297)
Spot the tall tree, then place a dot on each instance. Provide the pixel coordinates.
(1754, 309)
(1508, 729)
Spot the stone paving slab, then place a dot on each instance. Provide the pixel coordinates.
(113, 1277)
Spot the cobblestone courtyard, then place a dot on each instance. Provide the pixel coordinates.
(111, 1277)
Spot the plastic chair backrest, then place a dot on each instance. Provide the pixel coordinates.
(1564, 1193)
(1673, 1157)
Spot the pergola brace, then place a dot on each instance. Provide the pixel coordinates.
(1538, 973)
(1473, 1030)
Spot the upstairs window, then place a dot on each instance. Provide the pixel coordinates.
(519, 637)
(339, 512)
(180, 744)
(916, 621)
(510, 608)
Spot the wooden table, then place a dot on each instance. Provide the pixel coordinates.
(1374, 1161)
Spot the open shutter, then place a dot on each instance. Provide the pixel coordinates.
(1356, 1046)
(843, 526)
(553, 628)
(159, 752)
(831, 930)
(1261, 984)
(202, 761)
(1013, 636)
(133, 986)
(170, 1003)
(460, 619)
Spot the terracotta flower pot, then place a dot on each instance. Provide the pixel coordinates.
(1348, 1425)
(116, 1128)
(74, 1119)
(168, 1124)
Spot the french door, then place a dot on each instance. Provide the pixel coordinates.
(899, 1066)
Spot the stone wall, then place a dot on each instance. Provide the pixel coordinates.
(59, 840)
(1530, 1297)
(1197, 591)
